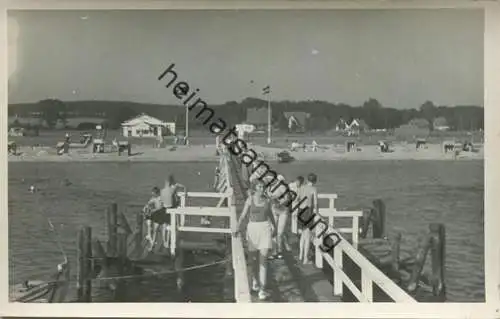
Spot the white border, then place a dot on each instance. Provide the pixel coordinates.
(490, 309)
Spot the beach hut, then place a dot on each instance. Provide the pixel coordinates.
(350, 146)
(12, 147)
(384, 146)
(448, 146)
(146, 126)
(421, 142)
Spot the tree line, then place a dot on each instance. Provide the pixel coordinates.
(323, 116)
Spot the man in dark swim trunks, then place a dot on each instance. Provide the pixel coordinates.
(155, 215)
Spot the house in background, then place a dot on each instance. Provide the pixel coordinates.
(147, 126)
(358, 125)
(341, 125)
(296, 121)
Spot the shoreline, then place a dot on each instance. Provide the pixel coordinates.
(206, 153)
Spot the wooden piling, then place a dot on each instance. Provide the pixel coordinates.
(437, 233)
(365, 222)
(395, 250)
(123, 223)
(419, 263)
(97, 249)
(84, 264)
(179, 265)
(379, 219)
(112, 221)
(139, 235)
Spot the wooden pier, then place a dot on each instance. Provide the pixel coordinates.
(359, 269)
(365, 266)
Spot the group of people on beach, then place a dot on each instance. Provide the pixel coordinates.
(156, 210)
(267, 209)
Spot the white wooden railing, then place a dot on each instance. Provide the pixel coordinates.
(178, 223)
(370, 274)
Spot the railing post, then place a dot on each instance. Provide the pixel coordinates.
(173, 232)
(355, 231)
(331, 205)
(366, 286)
(183, 204)
(317, 245)
(337, 281)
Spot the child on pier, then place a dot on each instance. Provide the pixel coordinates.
(155, 216)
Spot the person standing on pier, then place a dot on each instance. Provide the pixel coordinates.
(296, 187)
(260, 230)
(170, 199)
(310, 193)
(154, 215)
(279, 199)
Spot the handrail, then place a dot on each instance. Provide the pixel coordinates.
(201, 211)
(206, 194)
(369, 273)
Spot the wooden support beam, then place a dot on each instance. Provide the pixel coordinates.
(437, 232)
(123, 224)
(112, 221)
(139, 235)
(179, 265)
(379, 219)
(365, 222)
(84, 264)
(424, 247)
(97, 249)
(395, 251)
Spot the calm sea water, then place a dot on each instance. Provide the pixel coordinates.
(416, 193)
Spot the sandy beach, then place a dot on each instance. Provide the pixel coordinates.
(206, 153)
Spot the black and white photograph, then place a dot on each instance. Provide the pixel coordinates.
(246, 156)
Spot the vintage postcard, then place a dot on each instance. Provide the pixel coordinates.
(251, 159)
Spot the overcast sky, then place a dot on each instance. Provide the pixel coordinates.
(401, 58)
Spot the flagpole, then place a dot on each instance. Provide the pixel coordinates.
(186, 142)
(269, 126)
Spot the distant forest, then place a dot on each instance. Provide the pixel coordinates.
(323, 115)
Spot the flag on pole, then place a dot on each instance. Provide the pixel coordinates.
(266, 90)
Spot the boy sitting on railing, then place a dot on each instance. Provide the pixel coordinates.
(155, 215)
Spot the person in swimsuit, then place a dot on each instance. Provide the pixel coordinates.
(296, 187)
(310, 193)
(170, 199)
(260, 230)
(154, 214)
(279, 200)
